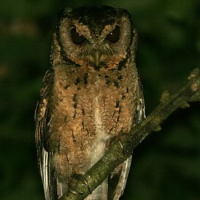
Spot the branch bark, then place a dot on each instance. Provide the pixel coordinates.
(123, 146)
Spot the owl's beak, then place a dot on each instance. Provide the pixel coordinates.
(96, 57)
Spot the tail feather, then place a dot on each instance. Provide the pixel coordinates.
(61, 188)
(100, 193)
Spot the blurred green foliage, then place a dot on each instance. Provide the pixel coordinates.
(167, 164)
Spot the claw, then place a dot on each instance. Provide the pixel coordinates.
(121, 145)
(86, 183)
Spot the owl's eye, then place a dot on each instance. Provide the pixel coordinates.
(114, 35)
(76, 37)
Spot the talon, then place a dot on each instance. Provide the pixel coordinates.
(121, 145)
(86, 183)
(74, 191)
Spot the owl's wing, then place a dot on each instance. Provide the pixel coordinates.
(42, 119)
(118, 178)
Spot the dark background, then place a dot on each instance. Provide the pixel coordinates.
(167, 164)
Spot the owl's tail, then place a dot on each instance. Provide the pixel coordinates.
(100, 193)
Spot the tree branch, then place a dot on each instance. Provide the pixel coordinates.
(123, 146)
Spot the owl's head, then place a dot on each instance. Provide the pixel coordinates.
(95, 37)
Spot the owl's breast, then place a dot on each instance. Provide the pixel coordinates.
(87, 111)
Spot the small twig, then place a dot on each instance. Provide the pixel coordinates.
(190, 92)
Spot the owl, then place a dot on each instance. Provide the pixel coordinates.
(90, 94)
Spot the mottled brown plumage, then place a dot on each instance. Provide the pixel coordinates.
(90, 94)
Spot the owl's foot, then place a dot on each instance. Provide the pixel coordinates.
(78, 177)
(126, 151)
(86, 183)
